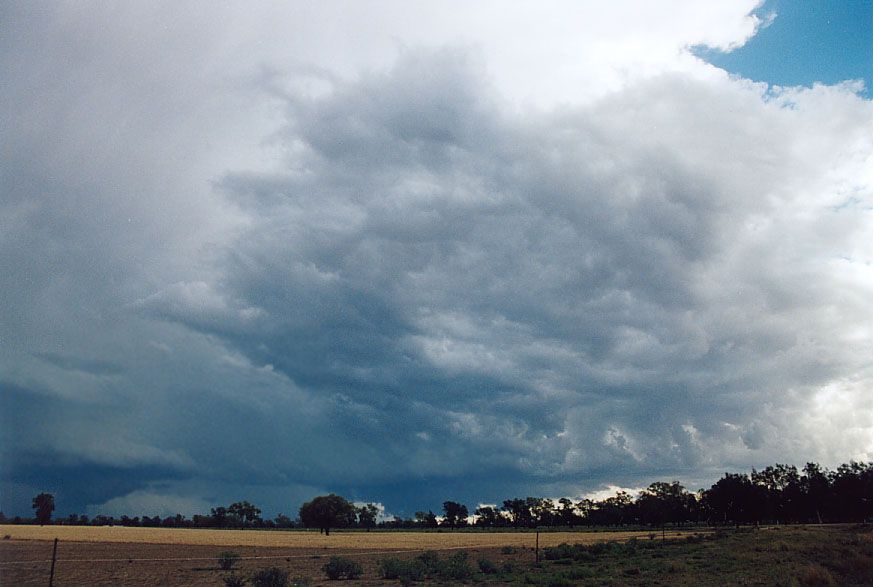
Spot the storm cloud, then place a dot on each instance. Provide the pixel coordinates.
(399, 277)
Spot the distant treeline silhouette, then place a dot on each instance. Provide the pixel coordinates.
(777, 494)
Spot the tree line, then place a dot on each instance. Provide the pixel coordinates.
(776, 494)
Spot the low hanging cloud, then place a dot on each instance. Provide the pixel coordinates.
(436, 287)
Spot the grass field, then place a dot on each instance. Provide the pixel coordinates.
(815, 555)
(311, 539)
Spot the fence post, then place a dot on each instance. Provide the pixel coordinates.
(54, 557)
(538, 546)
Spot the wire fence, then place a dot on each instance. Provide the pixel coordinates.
(212, 558)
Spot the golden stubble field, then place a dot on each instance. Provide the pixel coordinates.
(165, 556)
(338, 539)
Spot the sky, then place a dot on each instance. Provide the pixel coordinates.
(801, 43)
(417, 252)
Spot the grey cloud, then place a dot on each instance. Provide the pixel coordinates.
(429, 292)
(587, 284)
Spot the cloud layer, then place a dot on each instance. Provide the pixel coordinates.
(403, 275)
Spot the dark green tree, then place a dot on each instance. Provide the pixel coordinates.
(426, 519)
(456, 514)
(219, 517)
(44, 505)
(664, 503)
(734, 498)
(326, 512)
(815, 492)
(246, 512)
(487, 516)
(367, 514)
(567, 512)
(517, 510)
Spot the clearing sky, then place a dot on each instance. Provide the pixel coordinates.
(417, 252)
(803, 43)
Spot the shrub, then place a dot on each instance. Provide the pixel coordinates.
(340, 567)
(430, 560)
(563, 550)
(577, 573)
(390, 568)
(227, 560)
(234, 581)
(456, 567)
(507, 550)
(487, 567)
(407, 571)
(816, 576)
(271, 577)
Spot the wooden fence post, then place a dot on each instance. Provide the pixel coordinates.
(538, 546)
(54, 557)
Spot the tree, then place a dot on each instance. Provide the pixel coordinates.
(219, 517)
(44, 505)
(245, 511)
(427, 519)
(542, 511)
(487, 516)
(734, 498)
(665, 502)
(456, 513)
(283, 521)
(567, 513)
(367, 514)
(815, 488)
(517, 510)
(326, 512)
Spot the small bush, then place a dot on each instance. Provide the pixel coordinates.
(234, 581)
(407, 571)
(456, 567)
(390, 568)
(577, 573)
(340, 567)
(487, 567)
(675, 567)
(561, 551)
(227, 560)
(816, 576)
(271, 577)
(430, 560)
(507, 550)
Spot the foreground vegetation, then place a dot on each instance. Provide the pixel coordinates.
(799, 555)
(789, 556)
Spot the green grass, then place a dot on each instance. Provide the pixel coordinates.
(788, 555)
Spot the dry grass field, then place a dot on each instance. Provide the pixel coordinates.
(377, 540)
